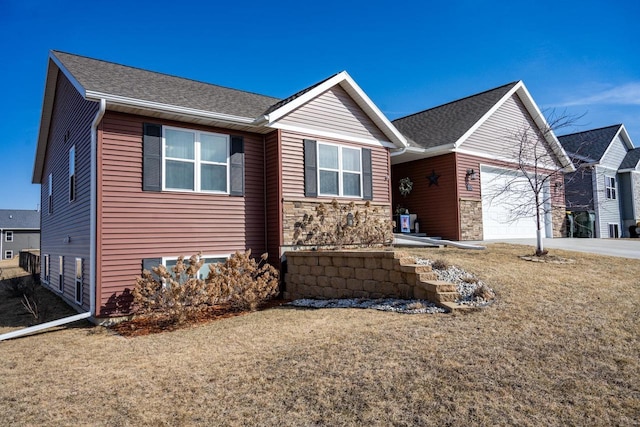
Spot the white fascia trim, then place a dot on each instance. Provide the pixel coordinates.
(628, 170)
(347, 83)
(304, 98)
(488, 114)
(508, 160)
(333, 135)
(157, 106)
(543, 125)
(624, 136)
(76, 84)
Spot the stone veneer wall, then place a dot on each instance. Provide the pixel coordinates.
(362, 274)
(470, 219)
(294, 211)
(558, 220)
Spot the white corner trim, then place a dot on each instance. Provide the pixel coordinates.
(333, 135)
(488, 114)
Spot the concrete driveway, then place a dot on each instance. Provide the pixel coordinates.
(611, 247)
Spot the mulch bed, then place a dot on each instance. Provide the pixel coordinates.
(157, 323)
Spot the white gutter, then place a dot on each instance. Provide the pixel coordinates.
(93, 209)
(36, 328)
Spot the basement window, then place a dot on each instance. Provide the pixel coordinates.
(8, 254)
(79, 280)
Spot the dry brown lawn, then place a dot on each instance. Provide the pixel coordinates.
(560, 346)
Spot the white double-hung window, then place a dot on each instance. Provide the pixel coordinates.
(610, 187)
(195, 161)
(339, 170)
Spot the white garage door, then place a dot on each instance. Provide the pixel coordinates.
(502, 210)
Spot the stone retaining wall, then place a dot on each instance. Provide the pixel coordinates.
(362, 274)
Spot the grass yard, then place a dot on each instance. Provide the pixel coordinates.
(560, 346)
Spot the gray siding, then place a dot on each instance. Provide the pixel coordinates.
(22, 239)
(66, 231)
(607, 210)
(334, 111)
(615, 154)
(498, 135)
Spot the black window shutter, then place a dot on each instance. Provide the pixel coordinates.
(310, 169)
(237, 166)
(149, 263)
(152, 158)
(367, 175)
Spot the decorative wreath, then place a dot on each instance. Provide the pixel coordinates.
(405, 186)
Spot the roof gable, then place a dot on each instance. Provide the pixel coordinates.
(345, 85)
(590, 145)
(631, 160)
(448, 123)
(18, 219)
(447, 127)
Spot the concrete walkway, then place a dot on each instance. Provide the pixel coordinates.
(629, 248)
(611, 247)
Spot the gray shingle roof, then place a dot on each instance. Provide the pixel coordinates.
(631, 160)
(115, 79)
(590, 144)
(19, 219)
(446, 123)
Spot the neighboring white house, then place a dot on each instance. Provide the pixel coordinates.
(607, 180)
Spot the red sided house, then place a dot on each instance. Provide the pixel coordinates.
(137, 168)
(461, 157)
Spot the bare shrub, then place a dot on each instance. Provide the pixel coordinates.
(484, 292)
(337, 225)
(245, 282)
(178, 293)
(439, 264)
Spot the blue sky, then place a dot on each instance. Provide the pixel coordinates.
(406, 55)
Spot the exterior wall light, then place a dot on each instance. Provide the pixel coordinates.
(470, 176)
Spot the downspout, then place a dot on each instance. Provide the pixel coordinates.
(93, 210)
(1, 240)
(92, 249)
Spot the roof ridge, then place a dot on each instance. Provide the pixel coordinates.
(164, 74)
(591, 130)
(458, 100)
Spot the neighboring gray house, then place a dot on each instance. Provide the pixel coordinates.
(607, 179)
(19, 230)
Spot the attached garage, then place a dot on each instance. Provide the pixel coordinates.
(508, 208)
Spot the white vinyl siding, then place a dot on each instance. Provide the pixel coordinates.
(607, 209)
(610, 187)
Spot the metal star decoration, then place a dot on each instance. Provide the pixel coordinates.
(433, 178)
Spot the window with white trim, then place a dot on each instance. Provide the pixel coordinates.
(61, 273)
(8, 237)
(78, 280)
(339, 170)
(8, 254)
(195, 161)
(72, 174)
(50, 194)
(45, 268)
(610, 187)
(614, 231)
(170, 262)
